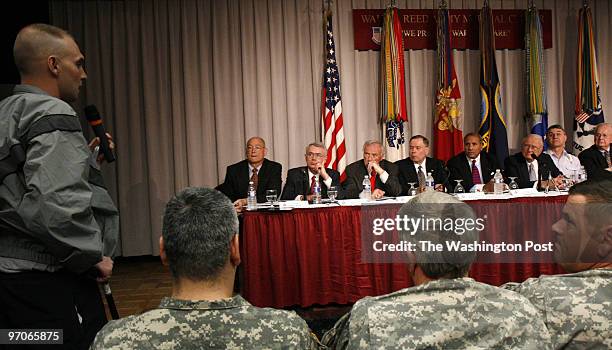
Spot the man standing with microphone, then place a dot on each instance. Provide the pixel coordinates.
(58, 225)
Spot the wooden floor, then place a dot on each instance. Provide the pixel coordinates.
(139, 283)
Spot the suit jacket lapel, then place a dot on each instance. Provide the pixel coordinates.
(243, 179)
(523, 169)
(412, 173)
(485, 168)
(466, 166)
(262, 174)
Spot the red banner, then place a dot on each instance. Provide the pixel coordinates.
(419, 29)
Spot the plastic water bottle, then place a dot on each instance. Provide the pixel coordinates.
(251, 197)
(498, 182)
(316, 193)
(430, 184)
(367, 188)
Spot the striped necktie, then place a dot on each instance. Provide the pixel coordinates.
(475, 173)
(255, 178)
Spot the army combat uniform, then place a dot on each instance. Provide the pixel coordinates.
(444, 314)
(222, 324)
(577, 308)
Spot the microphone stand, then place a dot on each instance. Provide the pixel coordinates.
(305, 184)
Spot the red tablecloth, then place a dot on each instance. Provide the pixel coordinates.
(313, 256)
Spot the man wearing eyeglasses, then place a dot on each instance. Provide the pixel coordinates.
(301, 180)
(265, 174)
(596, 159)
(531, 167)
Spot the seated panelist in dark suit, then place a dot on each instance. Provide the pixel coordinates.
(472, 166)
(418, 164)
(300, 181)
(383, 174)
(596, 159)
(527, 169)
(265, 173)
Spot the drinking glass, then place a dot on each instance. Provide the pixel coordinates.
(412, 190)
(332, 192)
(567, 183)
(271, 196)
(459, 188)
(513, 186)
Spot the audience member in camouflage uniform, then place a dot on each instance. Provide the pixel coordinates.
(445, 309)
(577, 307)
(200, 245)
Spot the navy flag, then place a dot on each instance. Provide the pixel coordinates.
(492, 128)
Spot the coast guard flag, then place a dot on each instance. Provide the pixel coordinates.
(537, 110)
(392, 89)
(588, 110)
(448, 124)
(332, 124)
(492, 128)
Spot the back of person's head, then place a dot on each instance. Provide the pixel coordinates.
(598, 201)
(199, 224)
(443, 218)
(595, 190)
(36, 42)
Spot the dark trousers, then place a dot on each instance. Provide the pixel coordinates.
(52, 300)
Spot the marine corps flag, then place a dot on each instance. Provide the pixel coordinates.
(448, 124)
(392, 89)
(537, 110)
(492, 124)
(589, 111)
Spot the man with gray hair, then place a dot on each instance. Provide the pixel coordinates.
(445, 309)
(596, 159)
(199, 243)
(301, 180)
(577, 307)
(532, 167)
(383, 174)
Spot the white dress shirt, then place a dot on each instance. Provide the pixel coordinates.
(567, 163)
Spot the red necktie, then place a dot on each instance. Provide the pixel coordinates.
(312, 184)
(373, 180)
(475, 174)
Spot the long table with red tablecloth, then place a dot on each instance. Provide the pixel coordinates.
(306, 257)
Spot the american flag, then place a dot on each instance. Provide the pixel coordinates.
(332, 125)
(582, 117)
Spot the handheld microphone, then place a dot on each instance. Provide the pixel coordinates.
(95, 120)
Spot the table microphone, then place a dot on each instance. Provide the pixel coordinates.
(94, 119)
(306, 188)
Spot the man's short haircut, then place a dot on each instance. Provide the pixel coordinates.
(535, 136)
(437, 205)
(556, 126)
(372, 142)
(199, 224)
(317, 145)
(471, 134)
(256, 138)
(36, 42)
(598, 193)
(602, 125)
(425, 140)
(596, 190)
